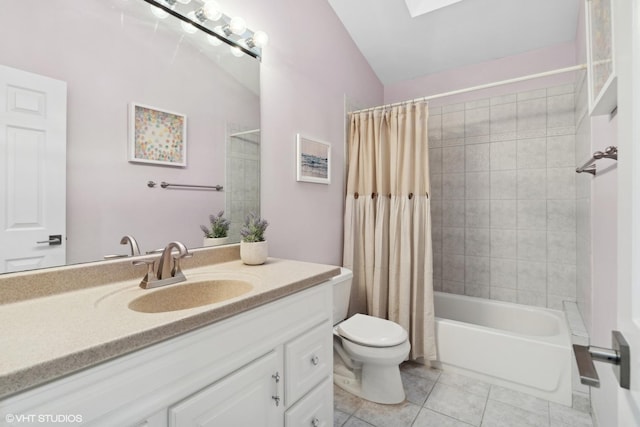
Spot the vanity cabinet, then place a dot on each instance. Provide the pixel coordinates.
(269, 366)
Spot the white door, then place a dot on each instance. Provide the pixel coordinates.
(627, 51)
(33, 138)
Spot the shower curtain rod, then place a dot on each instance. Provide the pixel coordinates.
(246, 132)
(479, 87)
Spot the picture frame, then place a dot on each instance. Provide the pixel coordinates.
(157, 136)
(313, 160)
(601, 75)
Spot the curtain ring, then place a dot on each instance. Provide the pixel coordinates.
(373, 195)
(389, 195)
(356, 195)
(410, 196)
(427, 194)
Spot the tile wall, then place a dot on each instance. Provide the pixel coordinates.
(503, 190)
(242, 186)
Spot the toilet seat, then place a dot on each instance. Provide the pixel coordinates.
(372, 331)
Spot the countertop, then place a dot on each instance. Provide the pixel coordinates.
(47, 337)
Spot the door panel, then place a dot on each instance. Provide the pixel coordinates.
(627, 63)
(33, 161)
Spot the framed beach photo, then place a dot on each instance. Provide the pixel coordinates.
(313, 160)
(157, 136)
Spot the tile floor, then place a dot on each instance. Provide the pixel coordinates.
(442, 399)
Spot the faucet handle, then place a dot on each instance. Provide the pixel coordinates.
(177, 271)
(143, 262)
(151, 265)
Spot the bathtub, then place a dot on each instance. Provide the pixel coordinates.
(523, 348)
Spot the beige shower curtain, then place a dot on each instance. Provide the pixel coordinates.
(387, 236)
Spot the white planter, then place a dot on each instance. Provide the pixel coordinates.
(253, 253)
(215, 241)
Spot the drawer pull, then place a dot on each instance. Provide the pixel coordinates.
(315, 360)
(315, 422)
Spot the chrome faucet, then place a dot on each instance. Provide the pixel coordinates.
(133, 244)
(135, 249)
(165, 274)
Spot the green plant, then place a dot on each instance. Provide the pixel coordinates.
(253, 228)
(219, 226)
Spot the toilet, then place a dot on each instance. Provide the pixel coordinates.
(367, 350)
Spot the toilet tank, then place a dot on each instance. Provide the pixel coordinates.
(341, 294)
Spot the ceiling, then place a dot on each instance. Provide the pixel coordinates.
(457, 33)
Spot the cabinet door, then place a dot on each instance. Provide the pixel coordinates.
(248, 397)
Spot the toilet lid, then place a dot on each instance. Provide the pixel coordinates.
(372, 331)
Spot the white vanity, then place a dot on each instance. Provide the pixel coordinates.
(265, 361)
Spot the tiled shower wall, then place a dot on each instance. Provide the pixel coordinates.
(504, 197)
(242, 187)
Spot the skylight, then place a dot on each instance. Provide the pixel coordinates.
(419, 7)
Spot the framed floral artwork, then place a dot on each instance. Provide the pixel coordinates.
(157, 136)
(313, 160)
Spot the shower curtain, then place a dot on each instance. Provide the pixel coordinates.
(387, 236)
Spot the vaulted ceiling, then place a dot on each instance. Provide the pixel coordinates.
(399, 46)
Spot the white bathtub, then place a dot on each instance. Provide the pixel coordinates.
(523, 348)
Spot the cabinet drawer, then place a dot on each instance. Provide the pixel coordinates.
(308, 360)
(313, 410)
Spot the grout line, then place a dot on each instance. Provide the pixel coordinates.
(486, 402)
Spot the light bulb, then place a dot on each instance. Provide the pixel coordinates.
(184, 1)
(238, 26)
(213, 40)
(211, 10)
(235, 51)
(158, 13)
(260, 39)
(187, 27)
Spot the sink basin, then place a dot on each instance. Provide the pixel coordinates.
(190, 295)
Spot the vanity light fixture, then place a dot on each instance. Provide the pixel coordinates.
(259, 39)
(236, 26)
(205, 15)
(209, 11)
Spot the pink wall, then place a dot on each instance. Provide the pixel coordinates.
(536, 61)
(308, 67)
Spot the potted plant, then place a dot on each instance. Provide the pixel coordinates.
(253, 246)
(216, 233)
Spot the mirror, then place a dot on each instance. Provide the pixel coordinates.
(111, 54)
